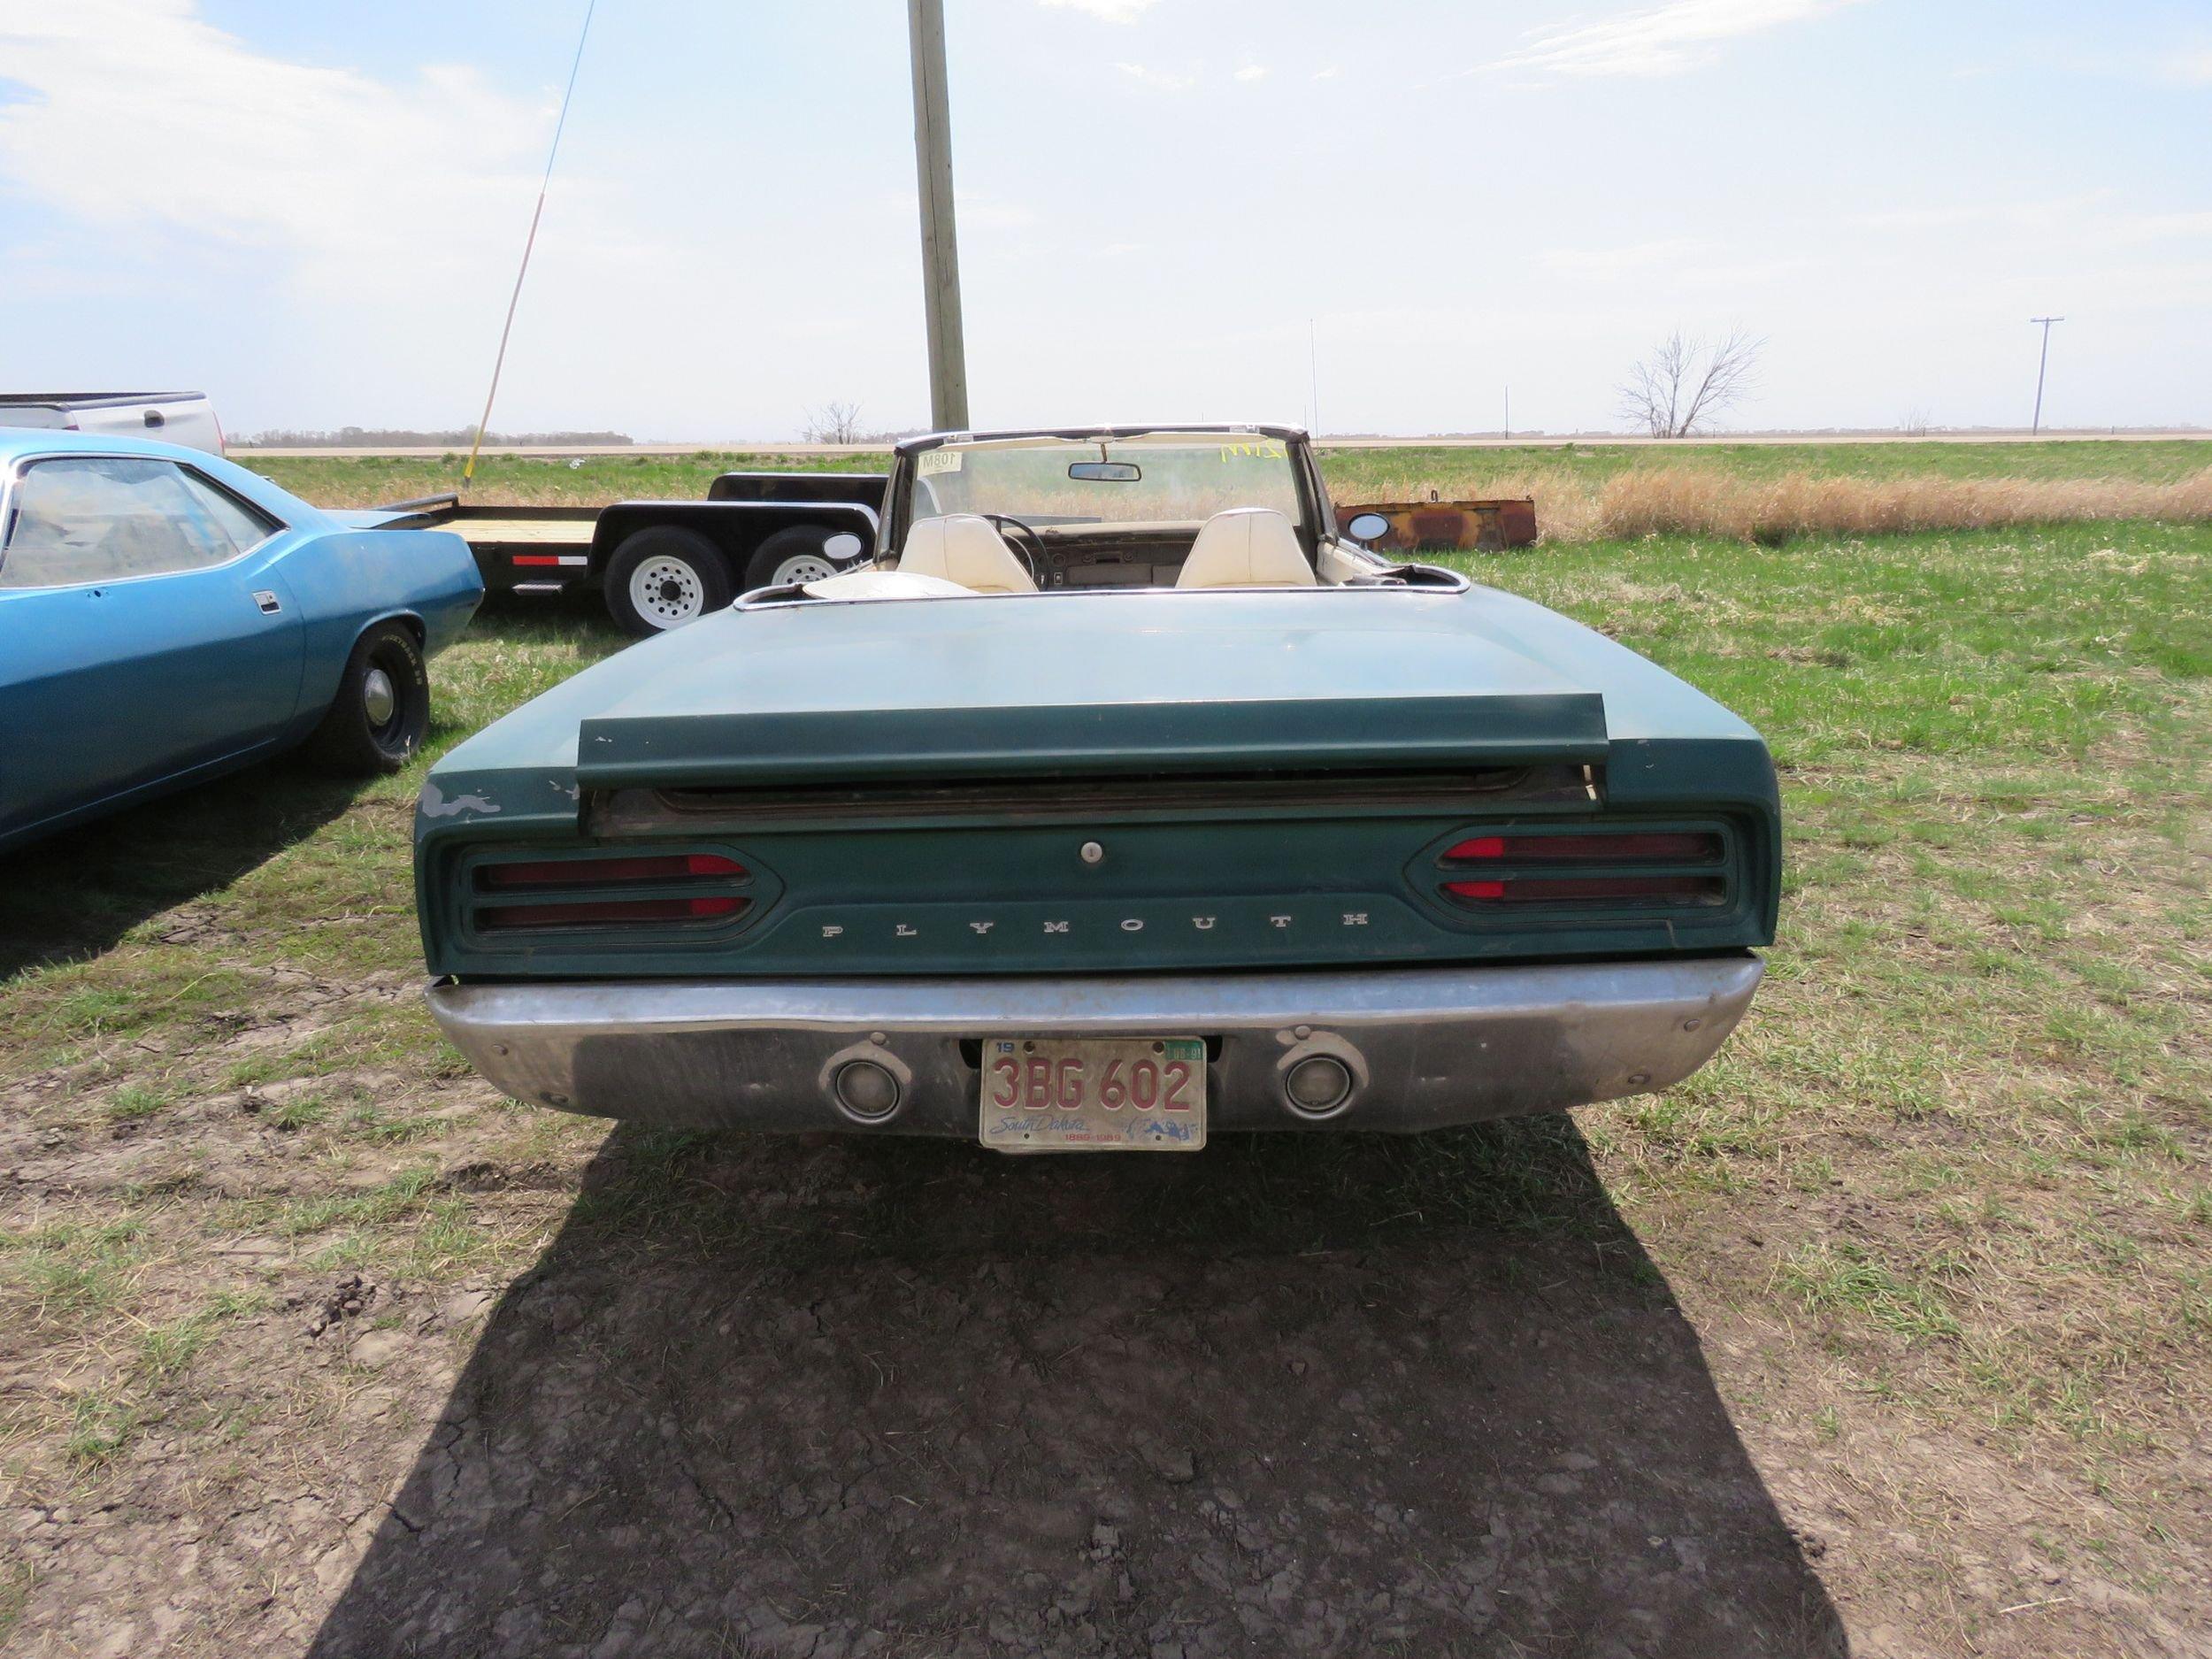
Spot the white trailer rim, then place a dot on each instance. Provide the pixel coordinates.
(667, 591)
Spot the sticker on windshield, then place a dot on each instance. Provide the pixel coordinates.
(1262, 451)
(932, 461)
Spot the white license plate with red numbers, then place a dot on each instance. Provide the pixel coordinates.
(1094, 1095)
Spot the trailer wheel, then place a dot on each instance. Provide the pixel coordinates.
(661, 577)
(790, 559)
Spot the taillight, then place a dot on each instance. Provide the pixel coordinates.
(592, 872)
(607, 910)
(1694, 846)
(1650, 866)
(672, 887)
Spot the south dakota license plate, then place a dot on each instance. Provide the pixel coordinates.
(1094, 1095)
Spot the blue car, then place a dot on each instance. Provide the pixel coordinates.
(166, 617)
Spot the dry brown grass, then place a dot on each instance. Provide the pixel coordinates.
(1708, 501)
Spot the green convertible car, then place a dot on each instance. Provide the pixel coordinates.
(1123, 798)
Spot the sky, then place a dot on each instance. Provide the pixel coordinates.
(1371, 218)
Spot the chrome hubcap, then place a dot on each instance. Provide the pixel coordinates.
(667, 591)
(380, 701)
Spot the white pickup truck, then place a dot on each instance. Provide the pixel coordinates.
(185, 417)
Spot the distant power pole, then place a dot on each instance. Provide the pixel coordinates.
(941, 248)
(2036, 424)
(1506, 431)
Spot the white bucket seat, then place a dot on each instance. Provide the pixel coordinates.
(1246, 547)
(964, 548)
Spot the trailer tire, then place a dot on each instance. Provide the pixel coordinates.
(790, 556)
(663, 577)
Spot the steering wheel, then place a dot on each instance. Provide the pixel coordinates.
(1040, 562)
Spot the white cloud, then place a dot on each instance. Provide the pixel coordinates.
(144, 118)
(1158, 80)
(1660, 41)
(2189, 69)
(1252, 72)
(1330, 73)
(1104, 11)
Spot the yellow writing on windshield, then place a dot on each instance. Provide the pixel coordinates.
(1264, 450)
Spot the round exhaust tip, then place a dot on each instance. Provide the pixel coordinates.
(1317, 1085)
(866, 1090)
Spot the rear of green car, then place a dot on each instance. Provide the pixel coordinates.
(1376, 860)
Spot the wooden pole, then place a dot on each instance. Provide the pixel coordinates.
(940, 248)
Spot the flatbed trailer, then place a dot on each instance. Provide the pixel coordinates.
(517, 549)
(662, 564)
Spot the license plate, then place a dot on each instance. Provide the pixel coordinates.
(1094, 1095)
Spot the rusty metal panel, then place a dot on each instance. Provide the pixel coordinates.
(1486, 527)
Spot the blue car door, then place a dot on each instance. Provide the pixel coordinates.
(145, 631)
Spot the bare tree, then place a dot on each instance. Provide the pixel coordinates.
(1687, 380)
(833, 423)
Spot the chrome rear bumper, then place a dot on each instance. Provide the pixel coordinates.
(1426, 1047)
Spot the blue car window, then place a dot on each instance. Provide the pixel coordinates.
(94, 518)
(245, 524)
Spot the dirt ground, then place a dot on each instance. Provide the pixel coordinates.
(821, 1396)
(847, 1397)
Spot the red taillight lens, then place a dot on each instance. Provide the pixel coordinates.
(1514, 868)
(598, 872)
(510, 915)
(534, 892)
(1480, 847)
(1556, 889)
(1667, 847)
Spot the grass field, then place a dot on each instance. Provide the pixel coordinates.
(1940, 1217)
(1758, 492)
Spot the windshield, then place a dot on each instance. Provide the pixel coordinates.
(1168, 477)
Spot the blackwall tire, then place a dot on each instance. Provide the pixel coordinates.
(377, 721)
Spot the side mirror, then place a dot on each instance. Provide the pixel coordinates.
(842, 546)
(1367, 527)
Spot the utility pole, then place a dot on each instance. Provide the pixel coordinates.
(1506, 432)
(1313, 369)
(940, 250)
(2037, 425)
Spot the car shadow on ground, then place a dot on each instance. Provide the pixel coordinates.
(73, 895)
(1329, 1394)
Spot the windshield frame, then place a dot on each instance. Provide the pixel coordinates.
(1316, 519)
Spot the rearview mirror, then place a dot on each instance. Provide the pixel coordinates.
(842, 546)
(1367, 527)
(1105, 472)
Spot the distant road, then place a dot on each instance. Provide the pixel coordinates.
(1585, 439)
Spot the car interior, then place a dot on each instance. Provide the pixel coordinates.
(1242, 547)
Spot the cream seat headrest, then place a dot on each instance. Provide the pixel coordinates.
(964, 548)
(1246, 547)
